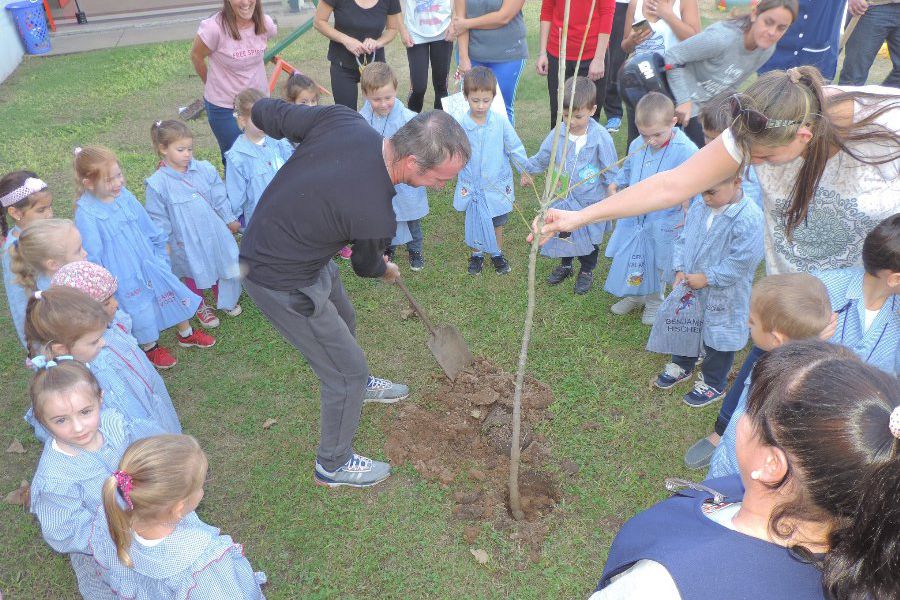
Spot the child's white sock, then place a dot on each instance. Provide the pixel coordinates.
(186, 332)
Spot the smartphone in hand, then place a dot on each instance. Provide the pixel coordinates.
(641, 25)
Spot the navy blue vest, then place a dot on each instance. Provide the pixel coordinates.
(707, 560)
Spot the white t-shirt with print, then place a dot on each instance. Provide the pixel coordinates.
(850, 200)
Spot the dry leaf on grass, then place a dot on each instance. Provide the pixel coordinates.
(18, 496)
(268, 423)
(480, 555)
(16, 448)
(407, 313)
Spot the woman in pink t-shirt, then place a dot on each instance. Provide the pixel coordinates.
(234, 40)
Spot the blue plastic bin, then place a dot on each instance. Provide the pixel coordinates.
(32, 25)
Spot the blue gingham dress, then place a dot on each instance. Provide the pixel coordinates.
(66, 491)
(195, 561)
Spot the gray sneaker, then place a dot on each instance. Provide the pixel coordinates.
(358, 471)
(626, 305)
(698, 456)
(384, 391)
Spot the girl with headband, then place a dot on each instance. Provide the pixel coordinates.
(24, 199)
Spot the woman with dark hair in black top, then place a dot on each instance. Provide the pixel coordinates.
(361, 30)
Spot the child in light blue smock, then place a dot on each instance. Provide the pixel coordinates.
(783, 308)
(716, 256)
(660, 147)
(84, 448)
(155, 489)
(37, 252)
(589, 150)
(386, 115)
(252, 161)
(120, 365)
(187, 200)
(715, 117)
(66, 321)
(25, 199)
(484, 189)
(866, 299)
(118, 234)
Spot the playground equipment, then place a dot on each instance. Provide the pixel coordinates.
(281, 65)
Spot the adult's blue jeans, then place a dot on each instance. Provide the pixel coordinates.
(880, 23)
(507, 74)
(224, 126)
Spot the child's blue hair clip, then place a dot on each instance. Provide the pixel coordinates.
(42, 362)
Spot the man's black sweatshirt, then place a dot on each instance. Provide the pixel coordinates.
(335, 190)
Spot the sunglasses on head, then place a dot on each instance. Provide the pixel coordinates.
(755, 121)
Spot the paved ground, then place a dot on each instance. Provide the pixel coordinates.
(98, 34)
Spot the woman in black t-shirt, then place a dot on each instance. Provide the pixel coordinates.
(361, 30)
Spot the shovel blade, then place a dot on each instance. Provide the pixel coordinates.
(450, 350)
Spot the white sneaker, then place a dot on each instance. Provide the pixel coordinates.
(626, 305)
(651, 306)
(234, 312)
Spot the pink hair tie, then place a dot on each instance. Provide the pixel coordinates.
(125, 483)
(894, 423)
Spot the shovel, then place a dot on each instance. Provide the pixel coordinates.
(445, 342)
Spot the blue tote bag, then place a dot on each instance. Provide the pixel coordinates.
(632, 272)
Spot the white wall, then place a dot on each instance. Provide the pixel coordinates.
(11, 49)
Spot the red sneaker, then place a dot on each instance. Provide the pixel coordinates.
(207, 316)
(160, 358)
(198, 339)
(346, 252)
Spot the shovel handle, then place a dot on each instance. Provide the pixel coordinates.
(415, 305)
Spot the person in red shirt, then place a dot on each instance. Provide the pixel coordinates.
(593, 58)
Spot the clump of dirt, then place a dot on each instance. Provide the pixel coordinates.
(464, 441)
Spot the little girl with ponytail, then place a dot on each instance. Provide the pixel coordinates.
(84, 446)
(149, 543)
(37, 252)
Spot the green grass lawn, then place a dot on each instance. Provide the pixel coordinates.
(398, 540)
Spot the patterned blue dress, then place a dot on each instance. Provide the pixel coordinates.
(249, 168)
(66, 490)
(123, 368)
(410, 203)
(192, 210)
(581, 170)
(195, 561)
(120, 236)
(484, 189)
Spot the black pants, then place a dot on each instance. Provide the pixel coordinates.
(734, 394)
(553, 87)
(694, 130)
(716, 365)
(613, 104)
(345, 83)
(588, 261)
(439, 55)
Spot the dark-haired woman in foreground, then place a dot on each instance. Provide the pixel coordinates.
(814, 512)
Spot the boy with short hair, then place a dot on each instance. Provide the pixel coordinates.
(783, 308)
(716, 254)
(484, 189)
(386, 114)
(660, 147)
(715, 117)
(589, 149)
